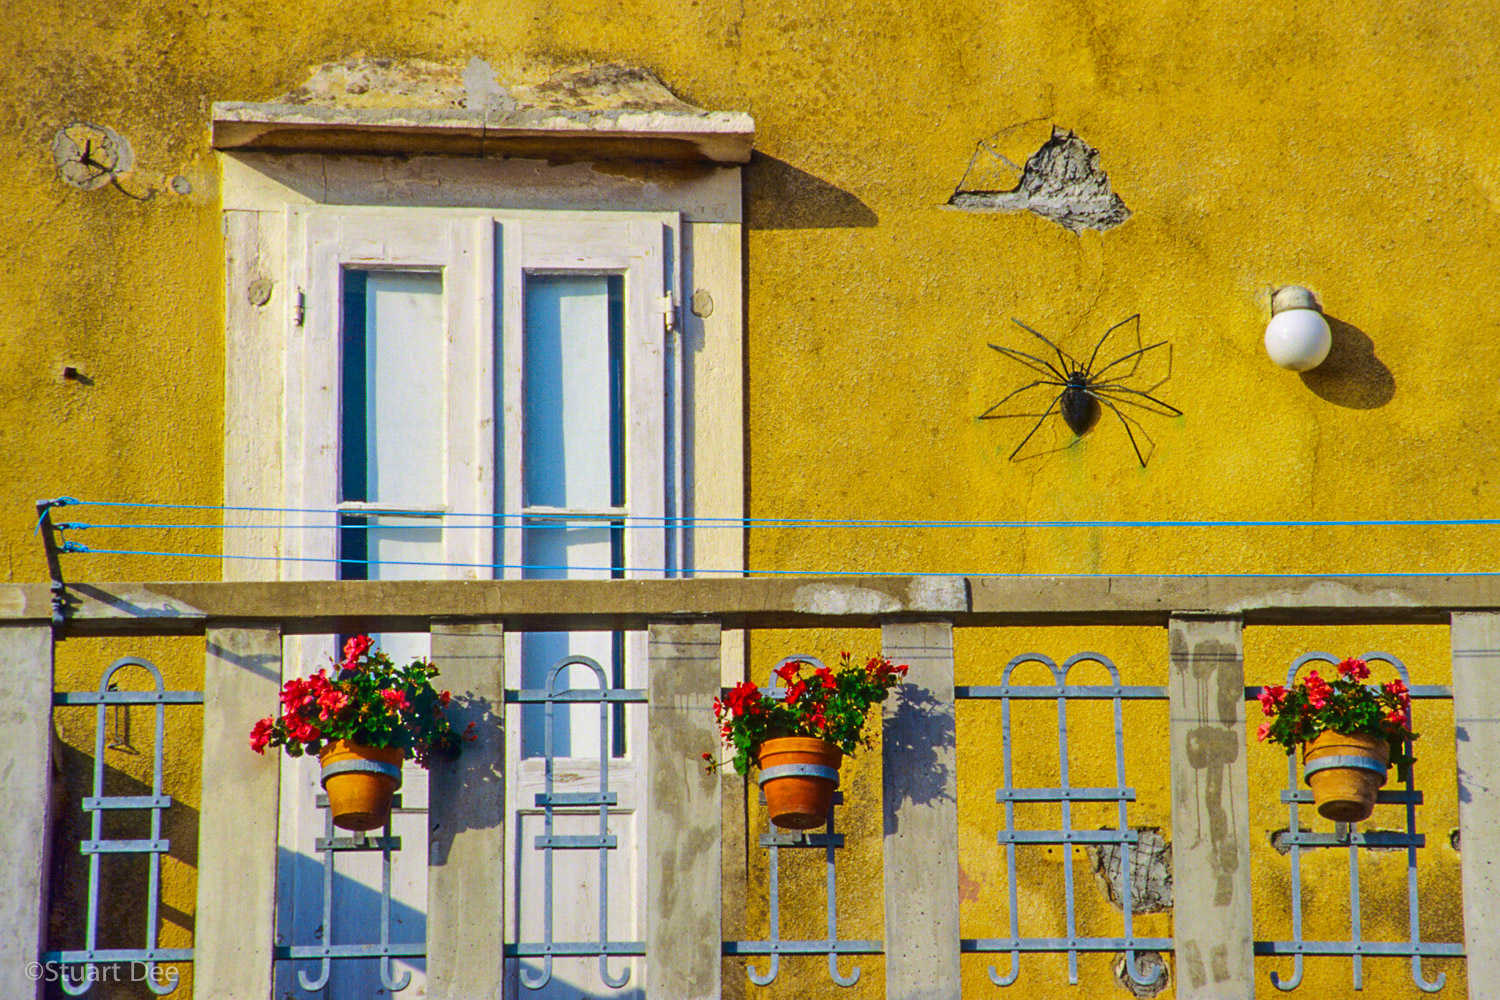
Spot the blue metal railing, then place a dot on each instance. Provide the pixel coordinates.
(1298, 840)
(91, 957)
(1123, 837)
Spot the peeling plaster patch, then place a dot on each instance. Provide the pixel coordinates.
(1150, 872)
(826, 599)
(259, 292)
(482, 92)
(90, 156)
(1150, 965)
(1279, 842)
(968, 886)
(1061, 181)
(607, 87)
(365, 82)
(939, 593)
(703, 303)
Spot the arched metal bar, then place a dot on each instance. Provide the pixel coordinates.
(1423, 983)
(765, 978)
(331, 847)
(611, 980)
(773, 892)
(1127, 887)
(1287, 985)
(1122, 837)
(774, 689)
(602, 843)
(1413, 922)
(325, 967)
(161, 990)
(1012, 975)
(325, 964)
(1295, 854)
(98, 802)
(542, 979)
(72, 988)
(1006, 756)
(1133, 971)
(832, 906)
(624, 977)
(836, 976)
(388, 976)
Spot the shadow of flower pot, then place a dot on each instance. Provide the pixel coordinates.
(1351, 376)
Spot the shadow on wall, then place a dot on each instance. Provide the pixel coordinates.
(912, 735)
(780, 196)
(356, 920)
(1351, 376)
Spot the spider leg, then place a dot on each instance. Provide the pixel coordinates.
(1023, 388)
(1036, 425)
(1139, 457)
(1016, 355)
(1109, 387)
(1127, 357)
(1064, 359)
(1111, 330)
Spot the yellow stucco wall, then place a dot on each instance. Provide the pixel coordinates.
(1351, 148)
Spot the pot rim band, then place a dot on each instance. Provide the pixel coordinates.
(362, 767)
(799, 770)
(1344, 760)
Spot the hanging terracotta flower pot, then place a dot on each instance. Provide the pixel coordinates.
(369, 700)
(360, 782)
(798, 775)
(1345, 772)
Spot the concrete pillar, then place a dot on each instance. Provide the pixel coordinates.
(1210, 809)
(1476, 723)
(684, 845)
(466, 904)
(236, 919)
(921, 816)
(25, 788)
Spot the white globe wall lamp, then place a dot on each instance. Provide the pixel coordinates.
(1297, 336)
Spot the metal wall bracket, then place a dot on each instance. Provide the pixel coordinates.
(61, 599)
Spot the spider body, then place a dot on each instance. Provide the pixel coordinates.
(1080, 411)
(1083, 390)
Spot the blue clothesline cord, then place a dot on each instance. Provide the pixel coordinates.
(77, 548)
(741, 522)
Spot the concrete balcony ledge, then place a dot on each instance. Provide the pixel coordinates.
(307, 607)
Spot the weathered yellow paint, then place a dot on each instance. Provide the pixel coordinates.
(1350, 148)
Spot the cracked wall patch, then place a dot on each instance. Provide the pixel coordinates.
(1061, 181)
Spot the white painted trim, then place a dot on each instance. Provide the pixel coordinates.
(272, 181)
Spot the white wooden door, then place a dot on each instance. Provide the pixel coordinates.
(586, 390)
(446, 368)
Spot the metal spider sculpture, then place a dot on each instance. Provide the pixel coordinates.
(1083, 388)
